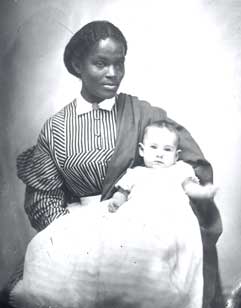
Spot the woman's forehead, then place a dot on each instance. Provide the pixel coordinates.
(108, 47)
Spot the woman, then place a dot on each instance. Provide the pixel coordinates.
(86, 147)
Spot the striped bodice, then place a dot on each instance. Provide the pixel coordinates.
(89, 142)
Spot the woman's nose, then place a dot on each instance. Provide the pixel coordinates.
(111, 71)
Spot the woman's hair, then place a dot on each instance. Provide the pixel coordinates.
(83, 41)
(165, 124)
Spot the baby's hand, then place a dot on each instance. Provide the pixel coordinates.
(197, 191)
(113, 205)
(209, 191)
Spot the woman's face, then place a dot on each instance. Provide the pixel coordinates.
(102, 70)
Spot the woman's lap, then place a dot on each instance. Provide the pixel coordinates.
(105, 252)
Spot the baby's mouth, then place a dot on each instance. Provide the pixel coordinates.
(158, 162)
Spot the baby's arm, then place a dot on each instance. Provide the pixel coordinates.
(118, 198)
(124, 187)
(196, 191)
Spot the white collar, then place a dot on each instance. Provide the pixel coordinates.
(83, 106)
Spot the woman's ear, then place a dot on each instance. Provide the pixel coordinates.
(141, 149)
(76, 64)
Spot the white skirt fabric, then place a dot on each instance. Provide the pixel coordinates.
(148, 254)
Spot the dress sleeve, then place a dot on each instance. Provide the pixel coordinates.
(187, 173)
(127, 181)
(44, 196)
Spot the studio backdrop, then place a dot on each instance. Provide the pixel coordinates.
(183, 56)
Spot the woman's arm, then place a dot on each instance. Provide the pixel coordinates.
(205, 209)
(44, 196)
(42, 207)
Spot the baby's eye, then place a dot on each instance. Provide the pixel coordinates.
(168, 149)
(153, 147)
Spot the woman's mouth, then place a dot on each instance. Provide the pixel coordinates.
(110, 86)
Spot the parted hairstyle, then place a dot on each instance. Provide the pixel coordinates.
(84, 40)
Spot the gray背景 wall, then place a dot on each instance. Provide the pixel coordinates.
(183, 55)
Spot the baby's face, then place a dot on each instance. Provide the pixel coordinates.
(159, 148)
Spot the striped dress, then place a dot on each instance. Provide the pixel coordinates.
(72, 154)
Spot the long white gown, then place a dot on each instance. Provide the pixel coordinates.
(148, 254)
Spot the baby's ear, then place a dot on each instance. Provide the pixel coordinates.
(141, 149)
(178, 152)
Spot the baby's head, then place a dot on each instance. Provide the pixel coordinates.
(160, 145)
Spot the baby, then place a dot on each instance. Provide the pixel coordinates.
(160, 152)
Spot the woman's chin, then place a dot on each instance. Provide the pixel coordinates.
(109, 91)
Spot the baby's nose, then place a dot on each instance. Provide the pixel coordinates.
(159, 155)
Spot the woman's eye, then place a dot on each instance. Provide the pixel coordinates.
(120, 64)
(100, 64)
